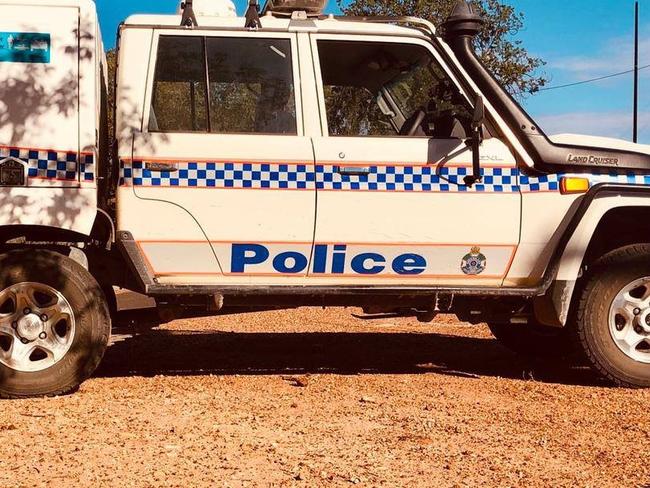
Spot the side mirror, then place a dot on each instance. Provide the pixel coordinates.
(475, 140)
(479, 113)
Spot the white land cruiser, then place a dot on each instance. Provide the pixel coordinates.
(300, 159)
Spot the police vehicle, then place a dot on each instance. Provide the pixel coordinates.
(293, 158)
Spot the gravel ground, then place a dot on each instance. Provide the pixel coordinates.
(316, 397)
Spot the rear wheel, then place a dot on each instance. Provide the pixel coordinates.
(54, 324)
(613, 316)
(534, 340)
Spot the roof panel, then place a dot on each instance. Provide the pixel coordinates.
(313, 25)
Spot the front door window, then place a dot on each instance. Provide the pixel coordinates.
(388, 89)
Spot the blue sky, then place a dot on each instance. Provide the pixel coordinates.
(579, 39)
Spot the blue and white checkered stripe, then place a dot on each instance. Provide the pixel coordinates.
(87, 167)
(545, 183)
(397, 178)
(417, 179)
(292, 176)
(324, 177)
(53, 165)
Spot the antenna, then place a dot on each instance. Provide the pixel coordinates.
(189, 19)
(635, 130)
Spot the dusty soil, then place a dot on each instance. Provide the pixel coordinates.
(321, 398)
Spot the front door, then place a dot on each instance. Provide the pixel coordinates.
(393, 207)
(223, 144)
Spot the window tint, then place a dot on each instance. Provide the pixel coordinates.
(353, 111)
(223, 85)
(251, 86)
(411, 90)
(380, 89)
(179, 94)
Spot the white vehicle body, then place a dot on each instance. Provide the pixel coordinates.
(514, 219)
(197, 249)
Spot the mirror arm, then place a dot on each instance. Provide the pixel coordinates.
(475, 177)
(475, 143)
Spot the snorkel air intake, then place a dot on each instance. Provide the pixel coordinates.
(460, 29)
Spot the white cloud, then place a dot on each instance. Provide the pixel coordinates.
(615, 55)
(616, 124)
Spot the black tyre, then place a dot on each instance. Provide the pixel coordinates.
(54, 324)
(111, 299)
(535, 341)
(613, 316)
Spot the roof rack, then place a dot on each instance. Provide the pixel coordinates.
(253, 15)
(407, 21)
(314, 8)
(188, 19)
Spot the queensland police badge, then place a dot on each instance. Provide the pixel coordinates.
(474, 263)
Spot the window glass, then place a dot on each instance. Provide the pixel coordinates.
(248, 86)
(251, 86)
(353, 111)
(179, 91)
(388, 89)
(411, 90)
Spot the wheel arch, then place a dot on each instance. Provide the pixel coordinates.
(94, 251)
(102, 232)
(598, 231)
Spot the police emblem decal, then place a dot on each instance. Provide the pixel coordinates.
(474, 263)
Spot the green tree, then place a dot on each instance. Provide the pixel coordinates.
(502, 53)
(111, 61)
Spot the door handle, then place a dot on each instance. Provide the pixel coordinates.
(353, 170)
(161, 167)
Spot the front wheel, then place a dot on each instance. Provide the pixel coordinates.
(613, 316)
(54, 324)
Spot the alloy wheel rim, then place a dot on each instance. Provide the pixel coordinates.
(37, 327)
(629, 320)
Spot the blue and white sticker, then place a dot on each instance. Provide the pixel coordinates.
(474, 263)
(25, 47)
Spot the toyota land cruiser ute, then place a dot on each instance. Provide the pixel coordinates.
(293, 158)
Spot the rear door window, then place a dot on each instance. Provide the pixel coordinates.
(251, 86)
(179, 92)
(224, 85)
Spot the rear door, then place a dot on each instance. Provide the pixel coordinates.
(223, 141)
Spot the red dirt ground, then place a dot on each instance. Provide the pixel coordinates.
(316, 397)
